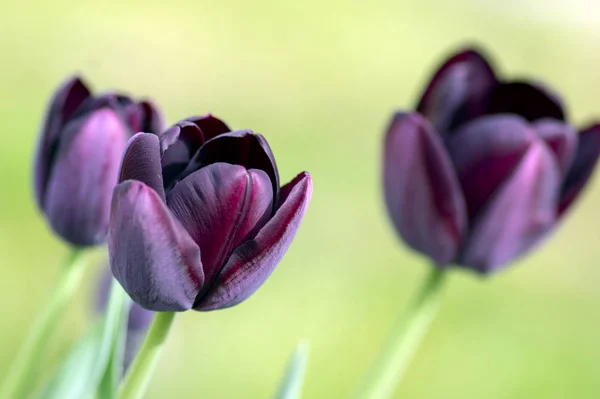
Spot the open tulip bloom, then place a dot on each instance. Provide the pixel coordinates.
(199, 220)
(480, 173)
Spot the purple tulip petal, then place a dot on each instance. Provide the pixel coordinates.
(485, 153)
(252, 262)
(561, 138)
(532, 102)
(177, 145)
(422, 192)
(519, 215)
(77, 200)
(220, 205)
(242, 147)
(586, 158)
(70, 95)
(141, 161)
(139, 318)
(457, 91)
(151, 255)
(115, 101)
(210, 125)
(152, 118)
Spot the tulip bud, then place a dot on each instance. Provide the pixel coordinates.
(484, 169)
(78, 156)
(199, 219)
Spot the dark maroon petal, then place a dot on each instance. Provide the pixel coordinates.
(518, 216)
(527, 100)
(254, 261)
(177, 145)
(220, 206)
(457, 90)
(77, 201)
(422, 193)
(117, 102)
(151, 254)
(152, 118)
(242, 147)
(63, 104)
(210, 125)
(139, 318)
(586, 158)
(485, 153)
(141, 161)
(561, 138)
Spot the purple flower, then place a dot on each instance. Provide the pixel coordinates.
(77, 161)
(199, 219)
(484, 169)
(138, 320)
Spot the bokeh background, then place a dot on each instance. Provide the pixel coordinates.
(319, 79)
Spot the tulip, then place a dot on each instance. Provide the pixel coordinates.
(484, 168)
(78, 155)
(199, 220)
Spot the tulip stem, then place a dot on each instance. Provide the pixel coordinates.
(138, 377)
(22, 375)
(404, 341)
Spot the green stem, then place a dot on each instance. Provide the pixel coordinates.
(139, 374)
(22, 375)
(404, 341)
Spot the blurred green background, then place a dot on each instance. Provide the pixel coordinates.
(319, 79)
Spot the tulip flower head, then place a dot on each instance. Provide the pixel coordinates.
(78, 155)
(199, 219)
(484, 168)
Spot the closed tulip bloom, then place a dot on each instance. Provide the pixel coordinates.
(484, 168)
(199, 219)
(78, 156)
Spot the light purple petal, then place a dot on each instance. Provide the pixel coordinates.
(518, 216)
(457, 91)
(485, 153)
(221, 205)
(254, 261)
(77, 201)
(561, 138)
(584, 163)
(530, 101)
(151, 255)
(70, 95)
(242, 147)
(422, 193)
(141, 161)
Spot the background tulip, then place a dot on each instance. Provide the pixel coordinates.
(199, 219)
(484, 168)
(79, 151)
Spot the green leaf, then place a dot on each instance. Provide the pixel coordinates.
(291, 385)
(86, 363)
(113, 374)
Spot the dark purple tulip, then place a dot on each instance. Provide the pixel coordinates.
(484, 169)
(199, 219)
(78, 155)
(138, 320)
